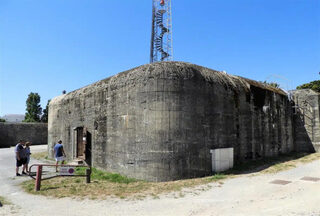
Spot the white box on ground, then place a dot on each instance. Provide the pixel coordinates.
(222, 159)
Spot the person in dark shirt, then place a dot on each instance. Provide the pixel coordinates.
(59, 154)
(21, 158)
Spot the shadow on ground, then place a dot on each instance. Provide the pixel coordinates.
(264, 163)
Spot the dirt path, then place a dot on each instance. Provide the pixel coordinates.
(246, 195)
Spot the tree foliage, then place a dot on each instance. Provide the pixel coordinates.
(44, 117)
(314, 85)
(33, 109)
(2, 120)
(272, 84)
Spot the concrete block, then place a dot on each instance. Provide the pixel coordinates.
(224, 165)
(222, 159)
(224, 154)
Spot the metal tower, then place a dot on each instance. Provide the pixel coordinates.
(161, 35)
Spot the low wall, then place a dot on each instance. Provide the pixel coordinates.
(11, 133)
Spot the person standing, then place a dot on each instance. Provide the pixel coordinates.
(28, 153)
(59, 154)
(20, 157)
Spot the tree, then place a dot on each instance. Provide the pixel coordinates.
(33, 108)
(314, 85)
(272, 84)
(44, 117)
(2, 120)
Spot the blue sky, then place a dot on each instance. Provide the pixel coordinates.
(51, 46)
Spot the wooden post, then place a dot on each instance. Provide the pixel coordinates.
(38, 178)
(88, 174)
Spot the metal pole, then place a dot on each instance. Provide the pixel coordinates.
(88, 174)
(152, 34)
(38, 178)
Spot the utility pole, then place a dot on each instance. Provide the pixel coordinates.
(161, 34)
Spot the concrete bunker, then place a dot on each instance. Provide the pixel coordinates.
(159, 121)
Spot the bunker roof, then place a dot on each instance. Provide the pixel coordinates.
(173, 70)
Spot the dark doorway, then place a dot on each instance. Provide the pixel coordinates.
(88, 148)
(84, 142)
(80, 143)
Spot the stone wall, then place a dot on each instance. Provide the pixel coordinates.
(11, 133)
(306, 120)
(158, 122)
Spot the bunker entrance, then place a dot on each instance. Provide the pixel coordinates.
(88, 148)
(83, 137)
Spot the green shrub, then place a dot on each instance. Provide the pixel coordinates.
(314, 85)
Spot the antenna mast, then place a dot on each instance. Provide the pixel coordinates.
(161, 34)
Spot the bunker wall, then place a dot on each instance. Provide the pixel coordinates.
(307, 120)
(158, 122)
(11, 133)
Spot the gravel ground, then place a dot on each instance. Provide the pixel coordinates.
(245, 195)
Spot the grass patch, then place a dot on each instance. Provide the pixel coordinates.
(273, 164)
(4, 201)
(218, 177)
(105, 176)
(104, 184)
(290, 161)
(40, 156)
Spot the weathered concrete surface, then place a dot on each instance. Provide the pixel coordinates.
(11, 133)
(248, 195)
(158, 122)
(307, 120)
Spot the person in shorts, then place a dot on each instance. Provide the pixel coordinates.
(59, 154)
(21, 158)
(28, 153)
